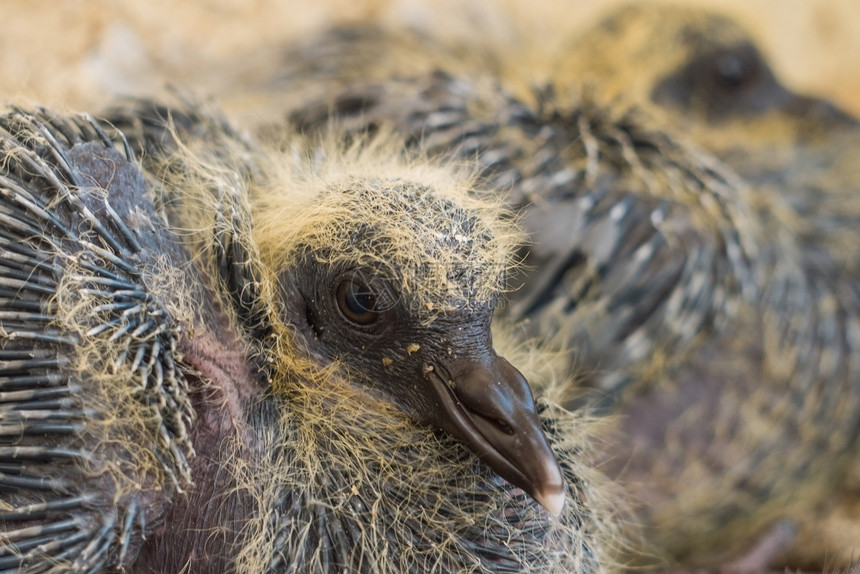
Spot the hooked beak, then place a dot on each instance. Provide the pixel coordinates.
(488, 405)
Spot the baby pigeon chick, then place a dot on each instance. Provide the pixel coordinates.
(702, 67)
(235, 360)
(685, 300)
(706, 75)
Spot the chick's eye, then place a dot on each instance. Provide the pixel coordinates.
(357, 302)
(734, 70)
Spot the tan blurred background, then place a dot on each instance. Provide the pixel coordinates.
(81, 53)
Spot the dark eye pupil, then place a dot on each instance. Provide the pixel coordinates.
(733, 71)
(357, 302)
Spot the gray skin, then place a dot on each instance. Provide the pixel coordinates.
(493, 419)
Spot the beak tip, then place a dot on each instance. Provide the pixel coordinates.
(552, 500)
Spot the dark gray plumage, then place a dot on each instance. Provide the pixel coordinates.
(70, 492)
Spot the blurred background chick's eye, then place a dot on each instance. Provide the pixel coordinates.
(735, 69)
